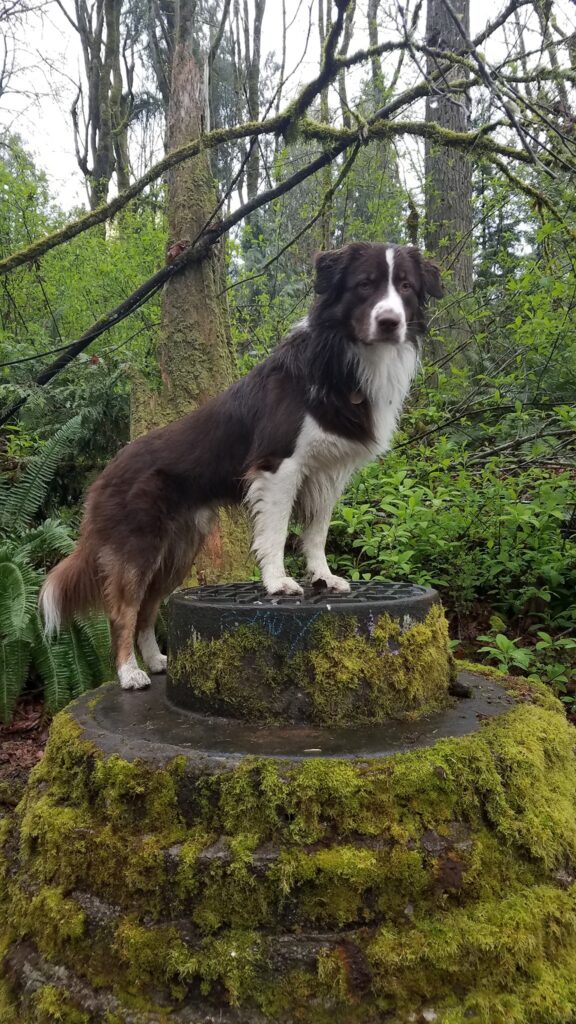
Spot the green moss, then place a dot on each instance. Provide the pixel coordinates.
(5, 829)
(330, 886)
(52, 1007)
(344, 675)
(145, 952)
(52, 920)
(8, 1012)
(231, 894)
(333, 976)
(230, 960)
(498, 941)
(436, 878)
(109, 829)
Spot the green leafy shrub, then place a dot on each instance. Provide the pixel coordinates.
(474, 533)
(79, 657)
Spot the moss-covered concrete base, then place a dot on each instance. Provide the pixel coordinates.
(343, 675)
(437, 884)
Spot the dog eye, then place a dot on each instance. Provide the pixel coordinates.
(364, 285)
(405, 286)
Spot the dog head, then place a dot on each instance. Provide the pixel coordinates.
(378, 291)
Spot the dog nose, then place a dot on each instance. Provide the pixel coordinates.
(388, 322)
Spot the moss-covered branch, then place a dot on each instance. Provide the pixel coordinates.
(280, 123)
(478, 140)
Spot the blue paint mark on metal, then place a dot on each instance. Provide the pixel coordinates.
(276, 625)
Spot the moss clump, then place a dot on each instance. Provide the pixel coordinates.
(52, 1007)
(144, 952)
(52, 920)
(8, 1013)
(248, 659)
(102, 824)
(510, 938)
(345, 675)
(230, 960)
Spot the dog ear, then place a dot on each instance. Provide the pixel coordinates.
(429, 273)
(330, 267)
(431, 277)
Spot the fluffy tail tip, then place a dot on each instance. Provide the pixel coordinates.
(49, 608)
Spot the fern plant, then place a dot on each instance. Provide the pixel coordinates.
(78, 657)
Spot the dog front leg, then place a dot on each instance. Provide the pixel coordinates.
(317, 501)
(270, 499)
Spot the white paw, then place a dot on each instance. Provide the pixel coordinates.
(157, 663)
(283, 585)
(133, 678)
(335, 583)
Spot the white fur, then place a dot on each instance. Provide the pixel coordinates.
(131, 677)
(270, 498)
(154, 660)
(386, 372)
(50, 608)
(318, 471)
(391, 305)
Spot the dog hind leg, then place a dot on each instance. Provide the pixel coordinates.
(123, 625)
(123, 592)
(152, 656)
(177, 560)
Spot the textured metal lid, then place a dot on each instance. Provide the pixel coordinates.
(361, 594)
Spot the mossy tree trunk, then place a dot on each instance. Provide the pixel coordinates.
(448, 172)
(448, 230)
(195, 354)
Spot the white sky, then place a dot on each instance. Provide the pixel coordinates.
(48, 59)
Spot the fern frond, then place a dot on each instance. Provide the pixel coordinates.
(19, 585)
(14, 661)
(51, 659)
(4, 491)
(96, 646)
(27, 495)
(48, 543)
(97, 630)
(81, 675)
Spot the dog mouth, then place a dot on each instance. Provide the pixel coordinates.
(391, 336)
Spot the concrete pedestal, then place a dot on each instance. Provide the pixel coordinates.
(169, 866)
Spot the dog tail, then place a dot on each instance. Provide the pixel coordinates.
(70, 589)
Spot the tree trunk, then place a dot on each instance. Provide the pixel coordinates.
(342, 91)
(448, 171)
(102, 141)
(195, 353)
(376, 64)
(325, 222)
(253, 89)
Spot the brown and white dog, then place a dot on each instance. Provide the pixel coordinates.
(286, 437)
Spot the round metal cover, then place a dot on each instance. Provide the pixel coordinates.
(255, 595)
(213, 612)
(209, 612)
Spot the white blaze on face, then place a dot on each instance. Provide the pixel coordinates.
(390, 307)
